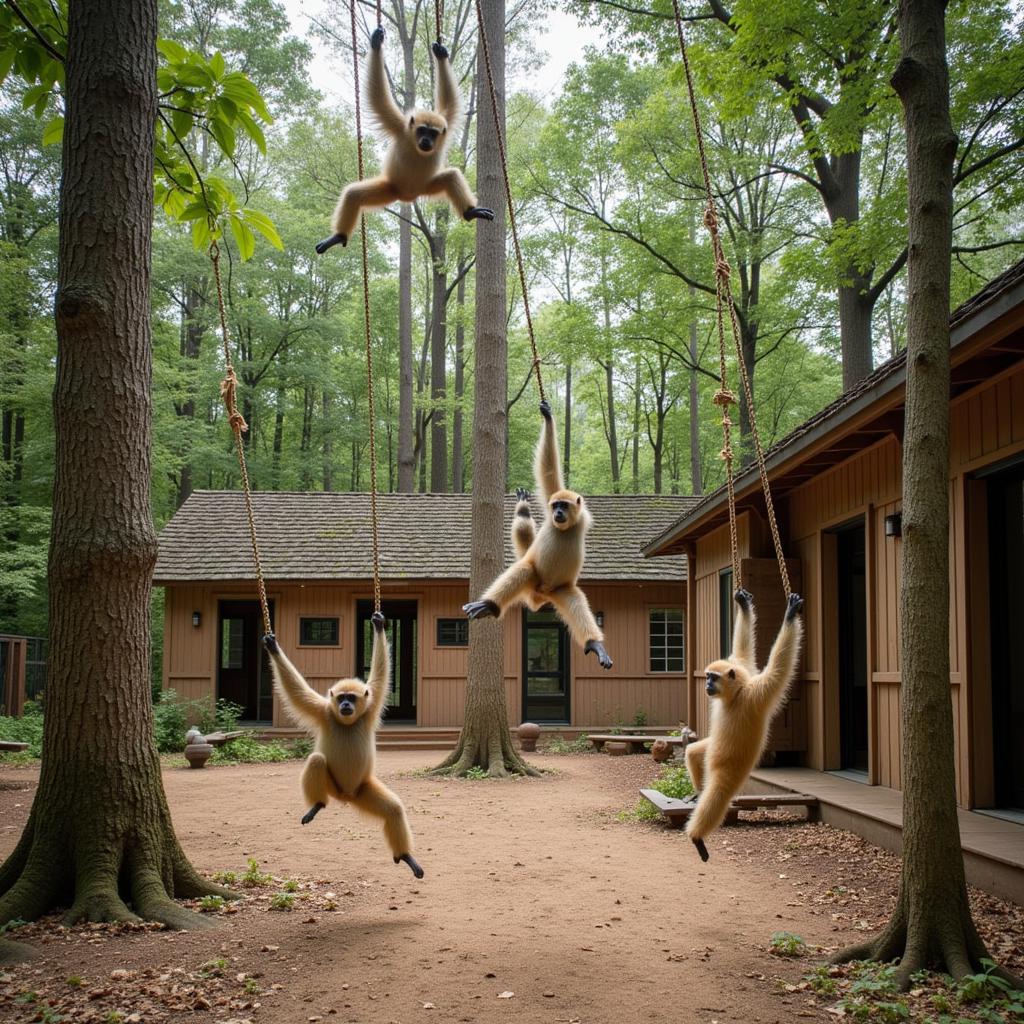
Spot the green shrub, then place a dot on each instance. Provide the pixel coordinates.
(282, 901)
(27, 729)
(173, 717)
(560, 745)
(246, 749)
(253, 876)
(787, 944)
(674, 781)
(640, 718)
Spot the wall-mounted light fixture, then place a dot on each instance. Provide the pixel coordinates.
(599, 616)
(894, 524)
(196, 619)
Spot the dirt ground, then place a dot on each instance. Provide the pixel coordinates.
(539, 905)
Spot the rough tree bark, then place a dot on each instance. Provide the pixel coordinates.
(99, 838)
(458, 455)
(931, 925)
(486, 740)
(438, 352)
(406, 456)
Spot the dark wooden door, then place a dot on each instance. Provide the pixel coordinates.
(402, 634)
(546, 696)
(1006, 573)
(243, 670)
(852, 648)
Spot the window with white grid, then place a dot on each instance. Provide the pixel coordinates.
(666, 632)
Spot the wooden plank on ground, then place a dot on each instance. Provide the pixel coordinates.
(677, 811)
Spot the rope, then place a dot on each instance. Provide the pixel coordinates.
(724, 300)
(439, 17)
(228, 391)
(508, 197)
(374, 532)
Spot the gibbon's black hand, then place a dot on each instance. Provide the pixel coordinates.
(596, 647)
(478, 213)
(324, 244)
(377, 38)
(379, 622)
(545, 409)
(411, 861)
(440, 51)
(795, 607)
(522, 494)
(270, 642)
(702, 850)
(744, 599)
(481, 610)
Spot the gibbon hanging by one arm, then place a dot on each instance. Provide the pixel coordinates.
(344, 727)
(414, 164)
(549, 561)
(744, 702)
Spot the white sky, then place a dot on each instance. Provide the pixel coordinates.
(563, 41)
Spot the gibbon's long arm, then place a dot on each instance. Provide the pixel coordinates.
(743, 632)
(447, 100)
(547, 467)
(379, 680)
(378, 92)
(774, 680)
(303, 701)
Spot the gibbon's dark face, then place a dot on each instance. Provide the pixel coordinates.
(348, 700)
(427, 129)
(722, 679)
(566, 507)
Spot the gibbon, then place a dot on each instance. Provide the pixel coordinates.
(549, 561)
(743, 704)
(414, 164)
(344, 726)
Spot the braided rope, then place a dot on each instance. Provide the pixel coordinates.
(439, 17)
(228, 389)
(508, 196)
(724, 300)
(374, 531)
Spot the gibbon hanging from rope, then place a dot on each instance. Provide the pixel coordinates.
(415, 163)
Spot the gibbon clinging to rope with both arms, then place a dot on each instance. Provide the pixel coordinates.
(744, 701)
(344, 727)
(414, 164)
(549, 561)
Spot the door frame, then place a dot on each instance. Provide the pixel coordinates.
(565, 658)
(406, 655)
(263, 672)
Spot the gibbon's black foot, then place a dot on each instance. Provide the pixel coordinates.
(744, 599)
(481, 610)
(326, 243)
(596, 647)
(312, 813)
(411, 861)
(478, 213)
(795, 607)
(702, 850)
(377, 38)
(440, 51)
(379, 622)
(545, 409)
(270, 642)
(522, 494)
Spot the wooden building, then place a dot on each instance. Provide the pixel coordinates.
(315, 549)
(836, 483)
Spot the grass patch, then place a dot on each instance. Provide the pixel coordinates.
(674, 781)
(560, 745)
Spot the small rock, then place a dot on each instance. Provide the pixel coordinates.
(505, 995)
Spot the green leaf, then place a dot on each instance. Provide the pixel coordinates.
(53, 133)
(218, 65)
(193, 76)
(224, 134)
(228, 108)
(6, 63)
(201, 236)
(181, 122)
(253, 130)
(172, 51)
(195, 211)
(238, 87)
(265, 226)
(244, 238)
(33, 95)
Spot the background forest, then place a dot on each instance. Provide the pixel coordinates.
(806, 150)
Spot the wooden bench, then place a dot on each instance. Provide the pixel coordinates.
(12, 745)
(635, 743)
(218, 739)
(677, 811)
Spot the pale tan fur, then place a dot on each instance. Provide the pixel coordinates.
(342, 765)
(741, 712)
(407, 171)
(551, 559)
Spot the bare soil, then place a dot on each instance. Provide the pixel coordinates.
(539, 905)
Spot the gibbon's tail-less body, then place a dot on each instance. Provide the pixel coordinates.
(344, 726)
(744, 701)
(549, 560)
(416, 163)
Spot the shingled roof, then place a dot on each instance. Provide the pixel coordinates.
(326, 536)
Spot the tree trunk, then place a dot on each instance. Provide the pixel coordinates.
(191, 345)
(438, 354)
(328, 443)
(931, 925)
(406, 456)
(636, 426)
(99, 836)
(567, 423)
(696, 477)
(458, 456)
(486, 740)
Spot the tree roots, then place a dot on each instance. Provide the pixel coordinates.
(493, 753)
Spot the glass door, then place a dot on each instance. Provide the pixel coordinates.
(545, 668)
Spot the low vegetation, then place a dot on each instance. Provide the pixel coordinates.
(674, 781)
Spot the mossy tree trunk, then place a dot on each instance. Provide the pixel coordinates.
(99, 839)
(931, 925)
(486, 740)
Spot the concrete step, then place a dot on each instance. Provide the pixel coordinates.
(388, 744)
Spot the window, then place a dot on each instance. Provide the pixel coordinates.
(452, 632)
(232, 639)
(725, 613)
(668, 648)
(318, 632)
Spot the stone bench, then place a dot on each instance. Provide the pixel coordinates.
(635, 743)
